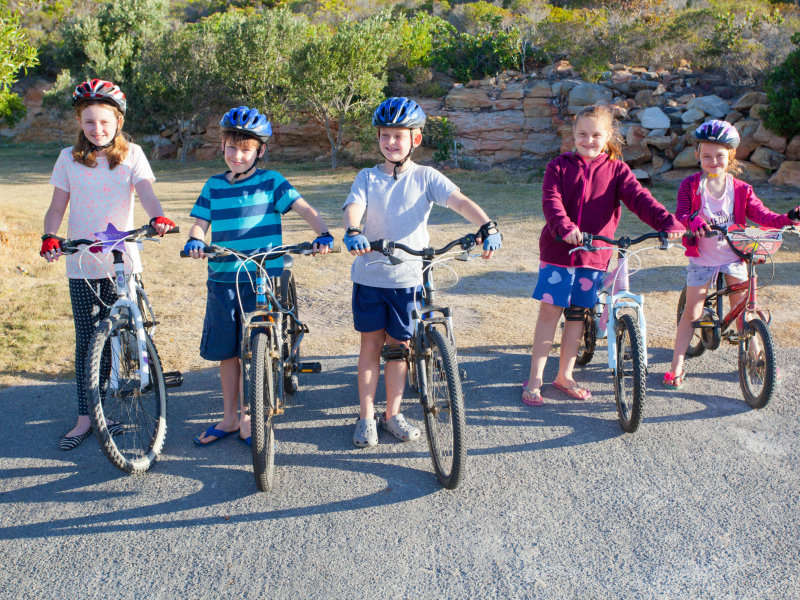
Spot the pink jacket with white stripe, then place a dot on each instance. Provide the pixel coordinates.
(746, 205)
(588, 196)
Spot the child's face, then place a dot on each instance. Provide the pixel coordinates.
(99, 124)
(713, 158)
(239, 158)
(590, 137)
(396, 142)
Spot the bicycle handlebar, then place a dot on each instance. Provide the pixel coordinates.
(387, 247)
(713, 229)
(623, 242)
(302, 248)
(147, 231)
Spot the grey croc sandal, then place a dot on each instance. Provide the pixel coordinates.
(366, 434)
(400, 428)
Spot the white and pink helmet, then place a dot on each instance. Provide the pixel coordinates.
(719, 132)
(97, 89)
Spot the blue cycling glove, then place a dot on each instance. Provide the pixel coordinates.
(491, 241)
(324, 239)
(356, 242)
(194, 244)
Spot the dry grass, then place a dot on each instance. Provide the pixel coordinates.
(493, 307)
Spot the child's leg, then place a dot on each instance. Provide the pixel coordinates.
(395, 373)
(695, 297)
(229, 374)
(570, 343)
(546, 324)
(369, 370)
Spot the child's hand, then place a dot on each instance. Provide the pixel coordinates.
(357, 244)
(161, 224)
(794, 215)
(194, 248)
(323, 244)
(575, 237)
(673, 235)
(698, 225)
(51, 249)
(491, 241)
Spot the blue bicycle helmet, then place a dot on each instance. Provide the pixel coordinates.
(249, 121)
(399, 112)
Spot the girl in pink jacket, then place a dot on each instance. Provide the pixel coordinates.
(583, 191)
(714, 197)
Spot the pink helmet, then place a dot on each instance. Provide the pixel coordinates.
(719, 132)
(97, 89)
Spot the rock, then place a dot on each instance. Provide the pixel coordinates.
(638, 85)
(787, 175)
(755, 110)
(749, 99)
(752, 173)
(567, 140)
(642, 175)
(661, 142)
(168, 132)
(660, 90)
(793, 148)
(563, 88)
(467, 98)
(489, 82)
(684, 99)
(678, 175)
(710, 105)
(635, 135)
(686, 159)
(472, 84)
(537, 107)
(562, 67)
(636, 154)
(208, 152)
(509, 104)
(644, 98)
(620, 78)
(162, 152)
(692, 115)
(747, 143)
(587, 94)
(654, 118)
(657, 132)
(619, 112)
(767, 158)
(538, 123)
(542, 144)
(513, 93)
(769, 139)
(538, 89)
(733, 116)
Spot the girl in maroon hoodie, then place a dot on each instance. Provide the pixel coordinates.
(714, 197)
(582, 192)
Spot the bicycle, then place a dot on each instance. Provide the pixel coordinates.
(433, 371)
(757, 364)
(124, 379)
(270, 354)
(627, 344)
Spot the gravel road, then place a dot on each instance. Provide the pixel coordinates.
(558, 502)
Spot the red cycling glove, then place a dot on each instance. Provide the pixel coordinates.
(49, 245)
(161, 221)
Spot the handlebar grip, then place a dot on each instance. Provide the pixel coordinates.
(174, 230)
(184, 255)
(337, 249)
(151, 231)
(376, 246)
(206, 250)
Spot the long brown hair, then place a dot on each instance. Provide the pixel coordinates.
(83, 152)
(605, 116)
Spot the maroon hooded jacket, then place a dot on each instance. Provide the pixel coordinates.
(587, 196)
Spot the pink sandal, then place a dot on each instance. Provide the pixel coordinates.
(537, 396)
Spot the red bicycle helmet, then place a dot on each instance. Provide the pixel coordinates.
(97, 89)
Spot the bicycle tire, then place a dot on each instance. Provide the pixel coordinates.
(696, 346)
(289, 302)
(143, 415)
(445, 422)
(768, 374)
(589, 341)
(630, 402)
(262, 404)
(146, 309)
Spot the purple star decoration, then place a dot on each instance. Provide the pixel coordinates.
(112, 238)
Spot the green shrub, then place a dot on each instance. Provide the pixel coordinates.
(783, 90)
(477, 56)
(432, 89)
(440, 133)
(12, 109)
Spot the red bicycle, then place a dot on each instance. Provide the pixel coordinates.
(758, 372)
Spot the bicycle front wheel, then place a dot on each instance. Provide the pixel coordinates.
(630, 381)
(758, 372)
(445, 421)
(262, 406)
(113, 390)
(289, 302)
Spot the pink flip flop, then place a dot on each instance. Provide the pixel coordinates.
(537, 396)
(573, 391)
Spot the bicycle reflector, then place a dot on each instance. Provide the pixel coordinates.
(760, 242)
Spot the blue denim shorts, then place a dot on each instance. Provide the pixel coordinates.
(384, 308)
(222, 326)
(567, 286)
(698, 275)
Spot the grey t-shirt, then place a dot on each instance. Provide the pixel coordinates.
(396, 211)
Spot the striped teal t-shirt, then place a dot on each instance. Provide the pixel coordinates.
(245, 216)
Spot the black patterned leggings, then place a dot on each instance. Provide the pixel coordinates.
(87, 312)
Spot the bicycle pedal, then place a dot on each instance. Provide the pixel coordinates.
(733, 339)
(173, 379)
(705, 323)
(310, 367)
(463, 374)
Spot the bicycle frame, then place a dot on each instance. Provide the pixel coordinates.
(746, 303)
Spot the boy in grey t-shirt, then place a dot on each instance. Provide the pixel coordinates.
(397, 198)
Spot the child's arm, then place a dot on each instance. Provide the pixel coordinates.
(194, 247)
(558, 222)
(311, 216)
(472, 213)
(357, 244)
(647, 208)
(51, 249)
(761, 215)
(151, 205)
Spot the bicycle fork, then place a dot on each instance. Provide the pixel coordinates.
(124, 300)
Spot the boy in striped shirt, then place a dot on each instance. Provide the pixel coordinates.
(243, 206)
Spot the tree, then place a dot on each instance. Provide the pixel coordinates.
(339, 75)
(58, 99)
(178, 79)
(783, 91)
(15, 55)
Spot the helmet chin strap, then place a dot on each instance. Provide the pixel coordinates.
(399, 163)
(251, 167)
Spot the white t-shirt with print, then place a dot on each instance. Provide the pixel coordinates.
(99, 196)
(714, 251)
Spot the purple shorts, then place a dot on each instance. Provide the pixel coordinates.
(566, 286)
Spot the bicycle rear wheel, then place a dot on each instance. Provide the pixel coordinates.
(289, 302)
(630, 383)
(758, 372)
(589, 341)
(445, 421)
(113, 391)
(696, 347)
(262, 405)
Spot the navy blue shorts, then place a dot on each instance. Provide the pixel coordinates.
(222, 326)
(384, 308)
